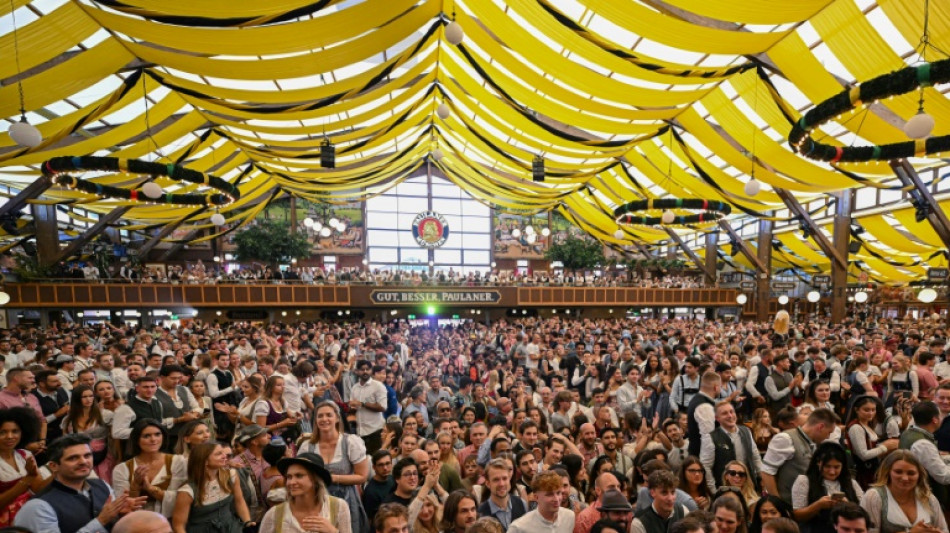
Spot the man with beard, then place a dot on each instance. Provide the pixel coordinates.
(368, 398)
(501, 505)
(588, 517)
(459, 512)
(609, 440)
(72, 500)
(588, 445)
(527, 465)
(54, 401)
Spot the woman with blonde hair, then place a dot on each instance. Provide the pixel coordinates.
(900, 499)
(447, 451)
(762, 429)
(309, 506)
(736, 474)
(272, 413)
(345, 458)
(901, 381)
(211, 501)
(425, 511)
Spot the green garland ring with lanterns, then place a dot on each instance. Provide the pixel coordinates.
(893, 84)
(58, 169)
(712, 210)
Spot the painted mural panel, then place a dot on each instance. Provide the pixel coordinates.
(350, 217)
(527, 245)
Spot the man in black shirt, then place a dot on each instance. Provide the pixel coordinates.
(406, 476)
(381, 484)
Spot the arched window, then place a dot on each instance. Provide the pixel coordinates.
(389, 219)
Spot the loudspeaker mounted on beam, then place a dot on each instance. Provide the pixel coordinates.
(327, 154)
(537, 168)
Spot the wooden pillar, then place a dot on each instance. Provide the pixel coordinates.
(47, 233)
(763, 289)
(841, 240)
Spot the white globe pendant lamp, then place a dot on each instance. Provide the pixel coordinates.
(860, 297)
(443, 111)
(752, 187)
(153, 190)
(454, 33)
(920, 126)
(927, 296)
(4, 298)
(813, 296)
(218, 219)
(25, 134)
(668, 217)
(437, 154)
(783, 300)
(516, 233)
(308, 222)
(742, 299)
(545, 232)
(619, 234)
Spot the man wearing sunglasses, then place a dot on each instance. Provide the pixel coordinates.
(729, 442)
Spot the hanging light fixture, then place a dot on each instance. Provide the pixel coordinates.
(668, 217)
(752, 187)
(218, 219)
(443, 111)
(741, 299)
(783, 300)
(325, 231)
(437, 154)
(860, 297)
(619, 234)
(153, 190)
(813, 296)
(516, 233)
(22, 132)
(921, 125)
(927, 295)
(308, 222)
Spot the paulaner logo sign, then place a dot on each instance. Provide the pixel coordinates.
(443, 297)
(430, 229)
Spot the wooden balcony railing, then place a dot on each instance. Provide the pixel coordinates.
(113, 295)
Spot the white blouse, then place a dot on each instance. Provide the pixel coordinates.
(8, 472)
(356, 449)
(291, 525)
(121, 480)
(213, 492)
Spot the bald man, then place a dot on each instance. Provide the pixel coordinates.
(142, 522)
(587, 443)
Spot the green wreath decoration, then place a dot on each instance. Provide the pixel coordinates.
(712, 210)
(58, 169)
(893, 84)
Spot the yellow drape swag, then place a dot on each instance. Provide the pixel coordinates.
(245, 91)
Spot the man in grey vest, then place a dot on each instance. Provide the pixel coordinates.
(780, 383)
(177, 402)
(790, 452)
(920, 441)
(729, 442)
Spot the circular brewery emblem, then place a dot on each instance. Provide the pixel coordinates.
(430, 229)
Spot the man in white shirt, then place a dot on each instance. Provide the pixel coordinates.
(629, 394)
(919, 439)
(790, 452)
(729, 442)
(549, 515)
(368, 399)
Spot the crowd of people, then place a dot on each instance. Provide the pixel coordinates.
(198, 273)
(535, 425)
